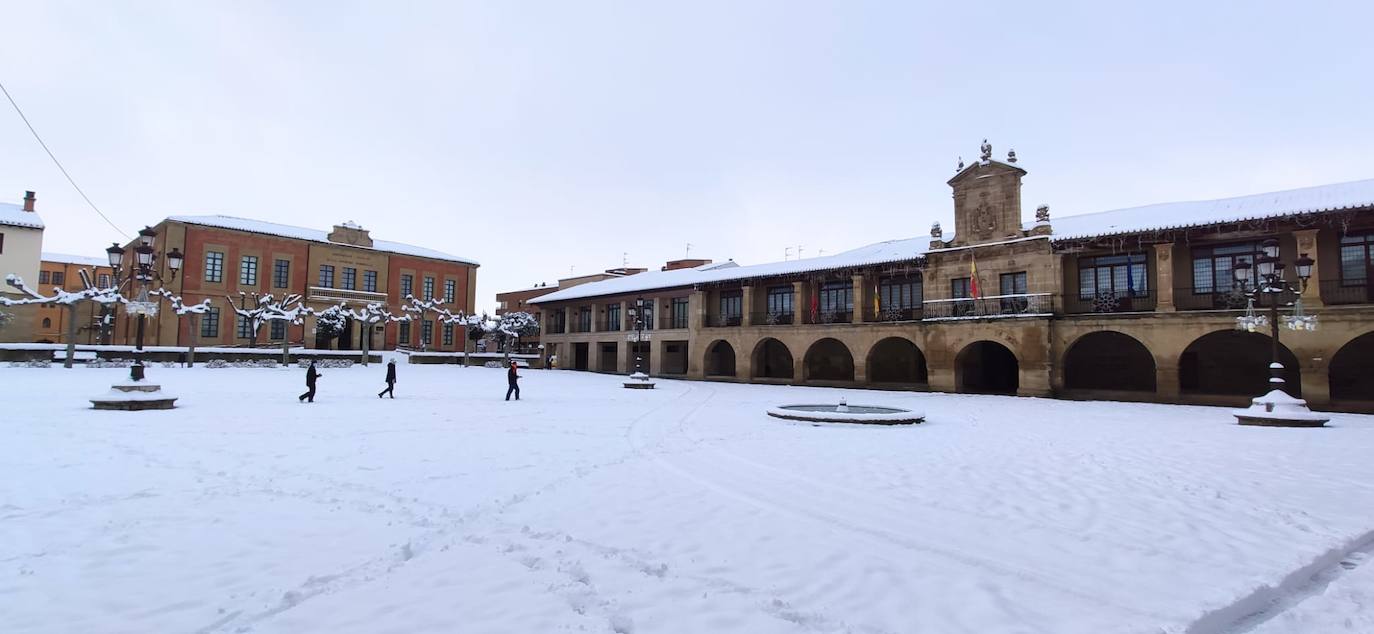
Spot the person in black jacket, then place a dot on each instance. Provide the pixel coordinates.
(390, 380)
(511, 380)
(310, 376)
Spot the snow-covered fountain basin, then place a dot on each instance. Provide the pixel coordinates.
(846, 413)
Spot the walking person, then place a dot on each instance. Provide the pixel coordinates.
(512, 379)
(390, 380)
(311, 375)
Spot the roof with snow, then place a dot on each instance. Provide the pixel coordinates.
(1322, 198)
(79, 260)
(313, 235)
(14, 216)
(1177, 215)
(646, 281)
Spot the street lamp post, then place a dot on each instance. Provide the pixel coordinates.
(1266, 279)
(144, 272)
(639, 334)
(639, 380)
(137, 394)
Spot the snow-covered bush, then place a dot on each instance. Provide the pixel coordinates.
(325, 363)
(31, 363)
(493, 364)
(216, 364)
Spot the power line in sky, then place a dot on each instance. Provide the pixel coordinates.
(59, 163)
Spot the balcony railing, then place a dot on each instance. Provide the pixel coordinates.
(833, 317)
(996, 306)
(894, 314)
(671, 322)
(608, 325)
(1209, 299)
(553, 329)
(580, 327)
(771, 319)
(1347, 292)
(723, 321)
(1111, 302)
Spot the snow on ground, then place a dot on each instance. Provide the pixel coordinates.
(588, 507)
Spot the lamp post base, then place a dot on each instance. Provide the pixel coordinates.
(134, 396)
(1278, 409)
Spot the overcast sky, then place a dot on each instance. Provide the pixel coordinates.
(544, 138)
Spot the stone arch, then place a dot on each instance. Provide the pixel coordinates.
(1109, 360)
(897, 360)
(772, 360)
(986, 367)
(1234, 363)
(829, 359)
(1351, 372)
(47, 322)
(720, 359)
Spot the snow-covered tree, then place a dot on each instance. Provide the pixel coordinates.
(192, 314)
(512, 326)
(369, 316)
(330, 322)
(69, 300)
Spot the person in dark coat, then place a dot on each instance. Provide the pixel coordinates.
(511, 380)
(390, 380)
(310, 376)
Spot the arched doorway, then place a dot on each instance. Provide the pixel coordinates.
(772, 360)
(1351, 373)
(898, 361)
(720, 359)
(1232, 362)
(1108, 360)
(986, 367)
(829, 360)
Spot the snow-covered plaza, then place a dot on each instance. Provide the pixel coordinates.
(588, 507)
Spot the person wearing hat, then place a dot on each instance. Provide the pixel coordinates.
(511, 379)
(390, 379)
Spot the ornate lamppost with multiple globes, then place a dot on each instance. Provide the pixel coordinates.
(137, 394)
(1265, 282)
(639, 380)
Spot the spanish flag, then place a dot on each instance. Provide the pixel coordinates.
(973, 280)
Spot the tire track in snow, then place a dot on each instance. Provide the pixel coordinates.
(1269, 602)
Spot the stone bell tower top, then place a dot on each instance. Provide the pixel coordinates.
(987, 200)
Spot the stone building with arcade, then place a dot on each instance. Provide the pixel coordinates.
(1131, 304)
(225, 256)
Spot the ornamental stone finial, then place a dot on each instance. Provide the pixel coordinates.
(1042, 213)
(986, 150)
(961, 165)
(936, 231)
(1011, 156)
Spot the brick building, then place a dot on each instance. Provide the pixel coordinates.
(64, 271)
(226, 256)
(1130, 304)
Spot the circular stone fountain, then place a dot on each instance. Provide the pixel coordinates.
(846, 413)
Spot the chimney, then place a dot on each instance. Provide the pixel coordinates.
(28, 201)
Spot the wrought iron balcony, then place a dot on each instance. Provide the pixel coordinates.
(996, 306)
(1209, 298)
(771, 319)
(1336, 292)
(672, 322)
(889, 315)
(1111, 302)
(723, 321)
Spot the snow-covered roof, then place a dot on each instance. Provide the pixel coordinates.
(313, 235)
(1201, 212)
(79, 260)
(1151, 217)
(646, 281)
(877, 253)
(14, 215)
